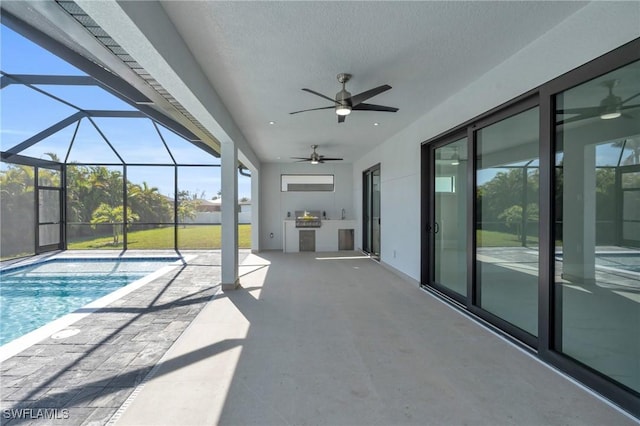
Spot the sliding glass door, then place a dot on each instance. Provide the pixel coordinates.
(448, 186)
(371, 211)
(531, 221)
(507, 219)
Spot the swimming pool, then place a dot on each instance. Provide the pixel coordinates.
(621, 261)
(34, 295)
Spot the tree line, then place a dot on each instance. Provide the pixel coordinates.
(95, 204)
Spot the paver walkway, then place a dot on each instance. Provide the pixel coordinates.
(85, 378)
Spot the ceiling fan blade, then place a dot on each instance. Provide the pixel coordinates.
(592, 115)
(372, 107)
(303, 161)
(585, 116)
(330, 159)
(312, 109)
(341, 118)
(300, 158)
(631, 97)
(361, 97)
(571, 120)
(630, 106)
(320, 94)
(584, 111)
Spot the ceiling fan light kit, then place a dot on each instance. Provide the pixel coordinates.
(610, 115)
(344, 102)
(343, 110)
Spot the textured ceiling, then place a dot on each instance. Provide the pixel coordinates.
(259, 55)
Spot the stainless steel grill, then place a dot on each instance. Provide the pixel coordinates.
(308, 219)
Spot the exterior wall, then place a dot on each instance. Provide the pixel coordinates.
(580, 38)
(275, 204)
(216, 217)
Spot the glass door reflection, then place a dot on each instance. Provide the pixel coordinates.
(507, 184)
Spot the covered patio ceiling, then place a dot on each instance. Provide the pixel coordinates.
(259, 55)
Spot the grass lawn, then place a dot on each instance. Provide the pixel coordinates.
(502, 239)
(189, 237)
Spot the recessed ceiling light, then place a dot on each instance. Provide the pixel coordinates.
(272, 122)
(376, 124)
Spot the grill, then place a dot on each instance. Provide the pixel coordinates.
(308, 219)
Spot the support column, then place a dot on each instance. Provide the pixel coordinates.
(229, 176)
(579, 213)
(255, 211)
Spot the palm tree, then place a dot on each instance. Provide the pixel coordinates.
(151, 206)
(88, 187)
(114, 216)
(108, 183)
(187, 206)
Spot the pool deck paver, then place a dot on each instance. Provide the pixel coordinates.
(91, 374)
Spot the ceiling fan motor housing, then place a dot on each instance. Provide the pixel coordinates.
(343, 98)
(611, 103)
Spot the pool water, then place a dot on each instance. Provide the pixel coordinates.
(33, 296)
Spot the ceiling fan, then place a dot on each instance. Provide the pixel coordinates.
(315, 158)
(344, 103)
(610, 107)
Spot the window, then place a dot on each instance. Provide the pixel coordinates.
(307, 183)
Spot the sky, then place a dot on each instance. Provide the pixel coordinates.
(25, 112)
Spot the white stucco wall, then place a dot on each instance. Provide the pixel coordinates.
(591, 32)
(275, 204)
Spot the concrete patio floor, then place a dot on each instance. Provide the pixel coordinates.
(322, 339)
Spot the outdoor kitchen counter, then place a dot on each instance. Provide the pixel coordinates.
(327, 236)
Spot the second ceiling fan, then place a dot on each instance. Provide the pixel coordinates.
(344, 103)
(610, 107)
(315, 158)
